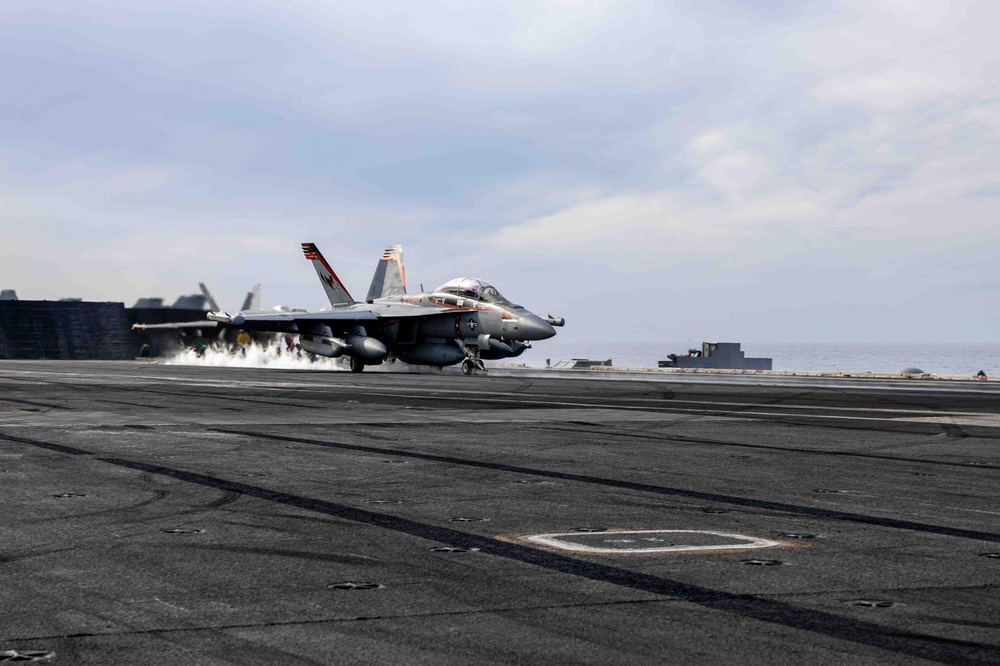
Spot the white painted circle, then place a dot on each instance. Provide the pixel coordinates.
(635, 541)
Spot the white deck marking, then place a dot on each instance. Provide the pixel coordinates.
(559, 540)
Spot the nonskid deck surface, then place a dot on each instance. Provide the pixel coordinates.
(167, 514)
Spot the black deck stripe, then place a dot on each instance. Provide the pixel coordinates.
(644, 487)
(766, 610)
(61, 448)
(206, 395)
(35, 404)
(835, 421)
(765, 447)
(132, 404)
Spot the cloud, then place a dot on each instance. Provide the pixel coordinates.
(886, 89)
(711, 143)
(750, 147)
(736, 172)
(638, 231)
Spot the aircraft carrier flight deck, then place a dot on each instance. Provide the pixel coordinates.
(164, 514)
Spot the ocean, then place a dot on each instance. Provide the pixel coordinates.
(940, 359)
(960, 358)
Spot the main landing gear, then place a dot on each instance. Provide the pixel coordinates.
(357, 365)
(470, 367)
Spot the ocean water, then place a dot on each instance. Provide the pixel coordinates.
(939, 358)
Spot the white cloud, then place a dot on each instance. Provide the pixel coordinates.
(736, 172)
(886, 89)
(661, 223)
(711, 143)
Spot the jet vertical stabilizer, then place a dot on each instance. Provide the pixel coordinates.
(335, 289)
(389, 278)
(213, 305)
(252, 300)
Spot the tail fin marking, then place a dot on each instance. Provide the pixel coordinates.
(335, 289)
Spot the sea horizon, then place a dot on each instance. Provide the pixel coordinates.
(941, 358)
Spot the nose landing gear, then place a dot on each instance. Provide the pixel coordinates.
(473, 363)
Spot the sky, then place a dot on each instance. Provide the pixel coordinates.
(744, 170)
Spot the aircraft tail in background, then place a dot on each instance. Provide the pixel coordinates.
(252, 300)
(213, 305)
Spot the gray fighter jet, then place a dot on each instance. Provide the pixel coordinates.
(463, 321)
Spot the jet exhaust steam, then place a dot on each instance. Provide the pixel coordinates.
(277, 358)
(255, 356)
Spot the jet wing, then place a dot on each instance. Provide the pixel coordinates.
(285, 317)
(176, 325)
(286, 321)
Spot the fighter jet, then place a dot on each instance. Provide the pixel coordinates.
(465, 320)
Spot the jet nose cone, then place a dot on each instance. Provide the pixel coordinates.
(533, 327)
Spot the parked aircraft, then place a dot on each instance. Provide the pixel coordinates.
(208, 327)
(465, 320)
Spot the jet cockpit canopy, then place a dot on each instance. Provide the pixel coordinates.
(473, 288)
